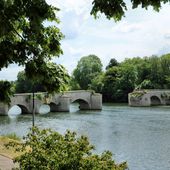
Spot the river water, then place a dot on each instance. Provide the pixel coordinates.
(138, 135)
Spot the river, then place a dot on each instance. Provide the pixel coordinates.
(138, 135)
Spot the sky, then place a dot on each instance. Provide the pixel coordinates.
(141, 33)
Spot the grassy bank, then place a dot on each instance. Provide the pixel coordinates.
(7, 152)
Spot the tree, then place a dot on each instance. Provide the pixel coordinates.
(113, 62)
(53, 77)
(110, 81)
(116, 8)
(23, 36)
(46, 149)
(97, 83)
(156, 76)
(87, 69)
(165, 69)
(126, 82)
(73, 85)
(6, 91)
(25, 85)
(118, 82)
(26, 40)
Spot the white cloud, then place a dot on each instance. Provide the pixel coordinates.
(79, 6)
(167, 35)
(125, 27)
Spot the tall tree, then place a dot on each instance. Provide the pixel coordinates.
(113, 62)
(126, 82)
(165, 69)
(110, 86)
(87, 69)
(116, 8)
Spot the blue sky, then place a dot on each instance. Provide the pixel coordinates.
(140, 33)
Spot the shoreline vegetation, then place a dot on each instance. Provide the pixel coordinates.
(45, 148)
(8, 152)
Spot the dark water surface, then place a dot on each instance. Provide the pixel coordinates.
(140, 136)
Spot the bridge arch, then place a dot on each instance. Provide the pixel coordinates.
(155, 100)
(83, 103)
(53, 107)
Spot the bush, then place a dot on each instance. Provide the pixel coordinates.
(49, 150)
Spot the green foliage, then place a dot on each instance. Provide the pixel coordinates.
(126, 81)
(138, 94)
(73, 85)
(118, 82)
(110, 81)
(25, 85)
(53, 77)
(46, 150)
(23, 35)
(116, 8)
(48, 77)
(87, 69)
(113, 62)
(6, 91)
(97, 83)
(26, 40)
(146, 84)
(119, 79)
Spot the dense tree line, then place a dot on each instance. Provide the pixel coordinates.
(119, 79)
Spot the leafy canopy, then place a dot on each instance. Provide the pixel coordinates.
(6, 91)
(29, 36)
(87, 69)
(53, 77)
(46, 149)
(23, 34)
(116, 8)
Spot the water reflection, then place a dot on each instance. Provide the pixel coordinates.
(44, 109)
(138, 135)
(14, 111)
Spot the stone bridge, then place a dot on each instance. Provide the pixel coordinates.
(149, 97)
(59, 102)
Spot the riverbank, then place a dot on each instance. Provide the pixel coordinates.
(7, 155)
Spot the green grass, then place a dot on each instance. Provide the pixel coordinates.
(3, 149)
(12, 136)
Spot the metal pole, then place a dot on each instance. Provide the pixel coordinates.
(33, 108)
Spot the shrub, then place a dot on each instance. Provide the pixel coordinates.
(49, 150)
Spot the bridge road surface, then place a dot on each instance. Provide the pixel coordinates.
(6, 163)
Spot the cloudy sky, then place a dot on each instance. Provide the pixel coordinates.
(140, 33)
